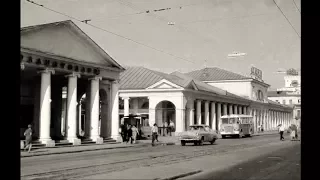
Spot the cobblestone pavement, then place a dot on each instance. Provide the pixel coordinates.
(79, 165)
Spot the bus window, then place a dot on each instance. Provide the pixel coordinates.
(224, 121)
(232, 120)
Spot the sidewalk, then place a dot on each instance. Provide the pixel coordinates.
(76, 149)
(163, 140)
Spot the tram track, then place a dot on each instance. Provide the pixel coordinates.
(148, 159)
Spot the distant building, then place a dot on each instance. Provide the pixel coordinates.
(198, 97)
(290, 94)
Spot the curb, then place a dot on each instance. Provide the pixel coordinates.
(78, 151)
(181, 175)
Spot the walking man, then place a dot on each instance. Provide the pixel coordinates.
(135, 132)
(154, 131)
(28, 135)
(281, 130)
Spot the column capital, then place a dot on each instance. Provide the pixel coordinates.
(199, 100)
(74, 74)
(95, 78)
(47, 70)
(125, 97)
(116, 81)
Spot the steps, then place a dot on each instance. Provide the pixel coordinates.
(65, 143)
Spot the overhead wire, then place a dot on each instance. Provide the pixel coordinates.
(286, 18)
(294, 2)
(110, 32)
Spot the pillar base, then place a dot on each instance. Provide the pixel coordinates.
(98, 140)
(74, 141)
(48, 142)
(118, 138)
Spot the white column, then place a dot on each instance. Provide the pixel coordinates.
(191, 112)
(206, 112)
(198, 112)
(230, 109)
(225, 112)
(72, 109)
(236, 109)
(179, 120)
(240, 110)
(45, 108)
(94, 110)
(219, 115)
(115, 110)
(254, 120)
(126, 106)
(213, 116)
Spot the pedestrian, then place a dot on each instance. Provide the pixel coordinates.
(171, 127)
(129, 134)
(28, 135)
(166, 128)
(135, 132)
(292, 133)
(154, 131)
(281, 130)
(123, 132)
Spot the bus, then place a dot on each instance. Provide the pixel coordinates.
(238, 125)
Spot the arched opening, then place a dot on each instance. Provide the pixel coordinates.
(82, 115)
(165, 113)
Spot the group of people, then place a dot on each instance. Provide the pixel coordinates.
(292, 129)
(129, 133)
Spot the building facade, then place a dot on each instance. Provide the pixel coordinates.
(69, 85)
(265, 112)
(148, 97)
(290, 94)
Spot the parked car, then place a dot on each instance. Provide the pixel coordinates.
(198, 134)
(145, 131)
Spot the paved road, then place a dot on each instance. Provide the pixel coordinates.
(283, 164)
(74, 166)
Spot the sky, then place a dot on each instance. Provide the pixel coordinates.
(203, 34)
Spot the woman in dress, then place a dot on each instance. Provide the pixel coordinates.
(28, 135)
(135, 132)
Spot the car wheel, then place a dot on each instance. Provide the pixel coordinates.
(201, 142)
(195, 143)
(183, 143)
(213, 140)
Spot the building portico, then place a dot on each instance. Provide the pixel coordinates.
(66, 95)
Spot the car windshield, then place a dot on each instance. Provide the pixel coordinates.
(195, 128)
(225, 121)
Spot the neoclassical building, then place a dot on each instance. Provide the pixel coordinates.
(290, 94)
(198, 97)
(69, 85)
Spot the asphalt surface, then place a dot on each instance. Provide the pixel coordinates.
(79, 165)
(283, 164)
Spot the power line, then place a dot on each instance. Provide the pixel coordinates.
(286, 18)
(296, 6)
(86, 22)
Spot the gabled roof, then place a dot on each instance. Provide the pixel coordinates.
(215, 74)
(53, 43)
(142, 78)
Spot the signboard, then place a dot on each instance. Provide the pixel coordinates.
(292, 72)
(256, 73)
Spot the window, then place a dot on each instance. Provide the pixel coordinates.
(284, 101)
(290, 101)
(298, 113)
(299, 101)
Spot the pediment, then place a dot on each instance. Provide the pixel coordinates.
(164, 84)
(67, 40)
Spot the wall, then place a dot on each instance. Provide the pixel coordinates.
(238, 88)
(255, 88)
(289, 79)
